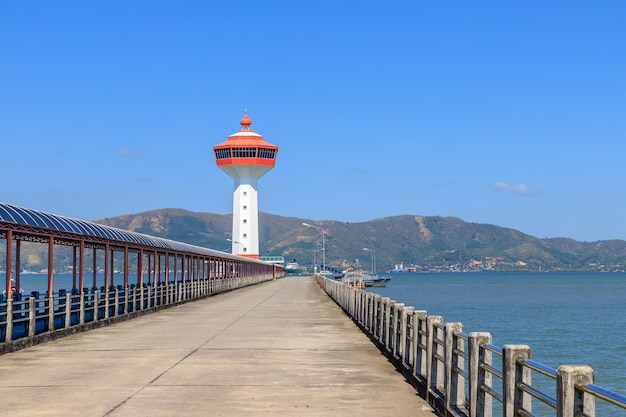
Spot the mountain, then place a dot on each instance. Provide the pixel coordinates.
(428, 242)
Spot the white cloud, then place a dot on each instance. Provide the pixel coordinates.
(515, 188)
(128, 153)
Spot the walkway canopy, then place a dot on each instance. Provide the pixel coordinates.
(17, 218)
(192, 262)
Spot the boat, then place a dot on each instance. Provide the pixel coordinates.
(293, 268)
(374, 280)
(369, 279)
(399, 268)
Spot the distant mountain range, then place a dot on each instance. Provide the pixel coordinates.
(424, 242)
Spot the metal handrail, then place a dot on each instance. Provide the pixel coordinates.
(604, 394)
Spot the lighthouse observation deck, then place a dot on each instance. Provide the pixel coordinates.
(245, 147)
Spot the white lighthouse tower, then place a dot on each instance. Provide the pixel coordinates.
(246, 157)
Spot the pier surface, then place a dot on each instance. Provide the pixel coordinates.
(282, 348)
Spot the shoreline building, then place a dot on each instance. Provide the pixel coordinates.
(246, 157)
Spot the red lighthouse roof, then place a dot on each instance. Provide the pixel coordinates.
(245, 147)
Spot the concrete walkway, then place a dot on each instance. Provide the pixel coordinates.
(281, 348)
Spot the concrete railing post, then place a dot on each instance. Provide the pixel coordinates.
(81, 313)
(96, 305)
(367, 311)
(480, 404)
(365, 308)
(127, 299)
(406, 335)
(375, 316)
(359, 306)
(9, 328)
(420, 356)
(107, 294)
(514, 373)
(454, 382)
(434, 376)
(50, 313)
(117, 302)
(384, 320)
(31, 316)
(381, 319)
(68, 310)
(571, 402)
(397, 330)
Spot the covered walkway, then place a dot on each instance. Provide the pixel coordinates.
(278, 348)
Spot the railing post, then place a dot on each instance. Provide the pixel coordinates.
(405, 345)
(367, 311)
(358, 303)
(420, 357)
(9, 329)
(96, 305)
(31, 316)
(514, 373)
(434, 379)
(381, 319)
(396, 336)
(480, 404)
(106, 303)
(81, 313)
(375, 315)
(68, 310)
(51, 312)
(126, 299)
(388, 323)
(117, 301)
(571, 402)
(455, 389)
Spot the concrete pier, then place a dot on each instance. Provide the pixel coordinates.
(282, 348)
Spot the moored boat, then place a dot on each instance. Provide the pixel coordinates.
(369, 279)
(293, 268)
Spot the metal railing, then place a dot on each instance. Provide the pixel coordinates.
(24, 317)
(464, 374)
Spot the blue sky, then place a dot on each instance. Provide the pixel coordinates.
(508, 113)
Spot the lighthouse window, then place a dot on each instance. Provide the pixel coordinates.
(245, 221)
(245, 207)
(244, 152)
(222, 153)
(267, 153)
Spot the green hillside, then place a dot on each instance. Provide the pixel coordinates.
(441, 243)
(427, 243)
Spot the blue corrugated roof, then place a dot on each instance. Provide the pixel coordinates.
(14, 214)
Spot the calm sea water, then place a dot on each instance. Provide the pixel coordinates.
(565, 318)
(39, 282)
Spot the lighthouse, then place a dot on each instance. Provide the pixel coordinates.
(246, 157)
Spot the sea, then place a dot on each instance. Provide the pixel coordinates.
(565, 317)
(31, 282)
